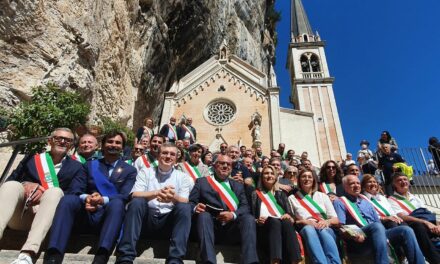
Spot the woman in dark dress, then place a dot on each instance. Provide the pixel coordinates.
(275, 224)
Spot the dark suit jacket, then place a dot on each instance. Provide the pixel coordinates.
(71, 173)
(123, 178)
(280, 197)
(204, 193)
(181, 133)
(164, 132)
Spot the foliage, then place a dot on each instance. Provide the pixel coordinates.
(4, 119)
(49, 108)
(273, 17)
(109, 125)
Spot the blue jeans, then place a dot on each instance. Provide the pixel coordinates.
(403, 236)
(326, 251)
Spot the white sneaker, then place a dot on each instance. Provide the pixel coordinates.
(23, 259)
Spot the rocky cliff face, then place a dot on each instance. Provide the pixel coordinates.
(122, 55)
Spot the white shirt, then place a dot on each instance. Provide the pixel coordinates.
(320, 198)
(411, 198)
(383, 201)
(148, 180)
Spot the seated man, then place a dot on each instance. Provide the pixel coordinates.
(99, 203)
(231, 213)
(137, 151)
(149, 159)
(159, 207)
(87, 147)
(30, 196)
(353, 210)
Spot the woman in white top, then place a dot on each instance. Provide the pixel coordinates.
(275, 229)
(315, 212)
(371, 193)
(404, 204)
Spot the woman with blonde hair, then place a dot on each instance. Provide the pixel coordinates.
(275, 224)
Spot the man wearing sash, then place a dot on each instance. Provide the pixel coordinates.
(159, 208)
(29, 198)
(353, 210)
(187, 131)
(149, 159)
(137, 151)
(194, 167)
(87, 147)
(406, 205)
(99, 203)
(222, 213)
(170, 130)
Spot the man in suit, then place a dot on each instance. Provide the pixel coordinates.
(159, 208)
(186, 130)
(230, 216)
(99, 203)
(170, 130)
(40, 180)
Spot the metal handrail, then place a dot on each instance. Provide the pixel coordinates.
(15, 144)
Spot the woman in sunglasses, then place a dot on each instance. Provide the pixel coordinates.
(330, 179)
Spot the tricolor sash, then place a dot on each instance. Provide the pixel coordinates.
(403, 203)
(46, 170)
(129, 161)
(192, 170)
(225, 192)
(102, 182)
(271, 204)
(187, 129)
(147, 161)
(353, 210)
(377, 206)
(211, 170)
(325, 188)
(78, 157)
(310, 205)
(173, 130)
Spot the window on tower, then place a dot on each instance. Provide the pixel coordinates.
(305, 66)
(314, 62)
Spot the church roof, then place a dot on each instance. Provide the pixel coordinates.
(299, 22)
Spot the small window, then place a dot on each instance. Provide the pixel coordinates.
(221, 89)
(306, 38)
(314, 62)
(305, 67)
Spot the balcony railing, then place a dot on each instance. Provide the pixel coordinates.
(312, 75)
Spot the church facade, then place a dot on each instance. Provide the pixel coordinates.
(231, 101)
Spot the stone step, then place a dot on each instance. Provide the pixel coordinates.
(82, 246)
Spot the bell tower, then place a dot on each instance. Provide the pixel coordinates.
(312, 85)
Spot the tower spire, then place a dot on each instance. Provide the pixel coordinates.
(299, 25)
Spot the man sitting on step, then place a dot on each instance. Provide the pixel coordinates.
(159, 208)
(149, 159)
(99, 203)
(222, 213)
(87, 146)
(29, 197)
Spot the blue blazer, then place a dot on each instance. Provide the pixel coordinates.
(204, 193)
(123, 178)
(71, 173)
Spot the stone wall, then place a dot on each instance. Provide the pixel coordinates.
(122, 55)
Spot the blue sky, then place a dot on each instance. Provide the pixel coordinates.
(384, 55)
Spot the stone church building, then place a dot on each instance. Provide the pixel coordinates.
(231, 101)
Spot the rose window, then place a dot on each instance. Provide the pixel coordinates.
(220, 113)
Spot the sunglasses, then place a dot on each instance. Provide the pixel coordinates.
(61, 139)
(138, 149)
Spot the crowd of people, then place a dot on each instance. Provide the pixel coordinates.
(169, 187)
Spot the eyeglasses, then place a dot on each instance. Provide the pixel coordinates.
(291, 172)
(138, 149)
(222, 163)
(331, 168)
(59, 139)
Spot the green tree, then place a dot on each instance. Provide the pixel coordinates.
(49, 108)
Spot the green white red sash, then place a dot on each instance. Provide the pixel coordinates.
(310, 205)
(403, 203)
(173, 130)
(225, 192)
(325, 188)
(271, 204)
(78, 157)
(211, 170)
(353, 210)
(377, 206)
(187, 129)
(147, 161)
(193, 171)
(46, 170)
(129, 161)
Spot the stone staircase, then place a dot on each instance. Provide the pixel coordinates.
(81, 251)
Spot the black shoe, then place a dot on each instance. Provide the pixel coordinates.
(52, 256)
(101, 256)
